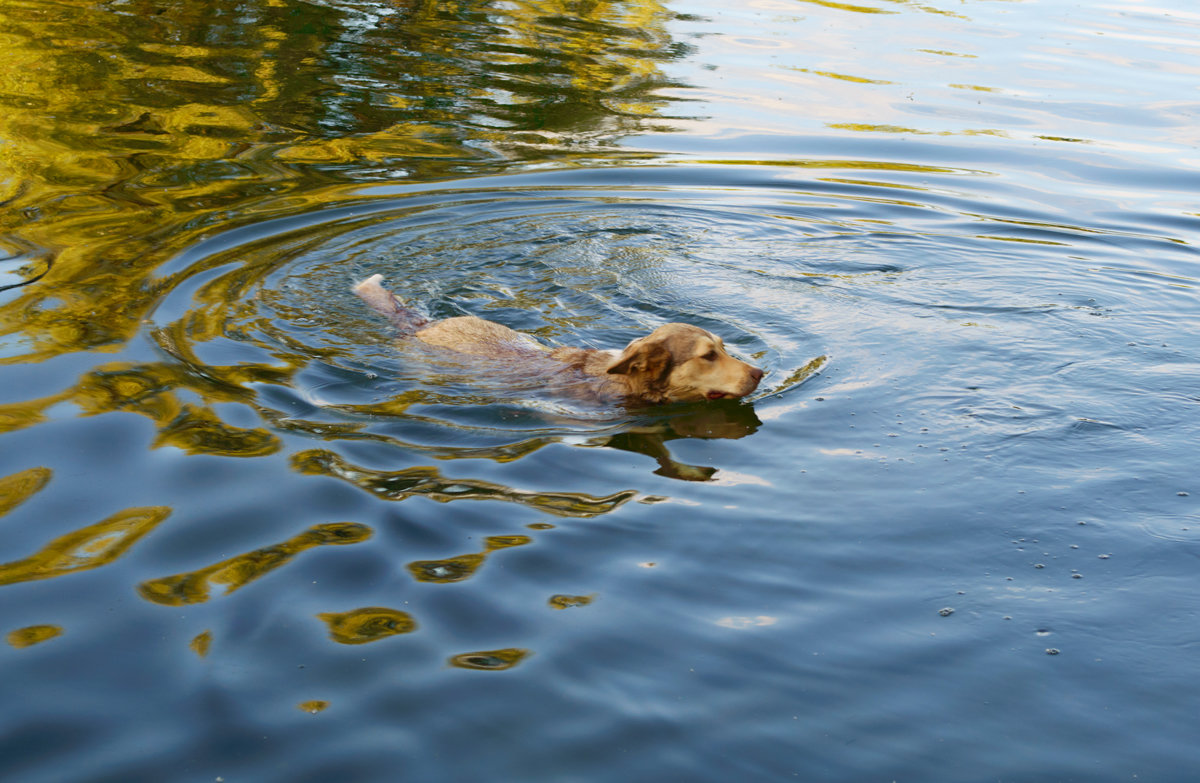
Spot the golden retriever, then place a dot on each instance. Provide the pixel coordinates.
(674, 363)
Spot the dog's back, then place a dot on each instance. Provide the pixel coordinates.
(478, 337)
(464, 334)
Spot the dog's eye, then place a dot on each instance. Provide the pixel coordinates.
(711, 356)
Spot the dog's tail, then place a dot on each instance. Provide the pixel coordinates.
(386, 304)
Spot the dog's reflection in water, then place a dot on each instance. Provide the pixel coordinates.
(727, 419)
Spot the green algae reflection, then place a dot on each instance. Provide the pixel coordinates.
(130, 130)
(20, 486)
(369, 624)
(201, 643)
(428, 482)
(490, 660)
(33, 634)
(562, 601)
(151, 390)
(193, 587)
(460, 567)
(87, 548)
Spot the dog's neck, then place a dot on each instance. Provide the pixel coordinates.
(594, 364)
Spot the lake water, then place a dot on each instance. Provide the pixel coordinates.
(246, 536)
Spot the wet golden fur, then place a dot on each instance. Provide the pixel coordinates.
(674, 363)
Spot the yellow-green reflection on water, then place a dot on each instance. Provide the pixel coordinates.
(193, 587)
(201, 643)
(844, 77)
(368, 624)
(801, 374)
(460, 567)
(89, 547)
(427, 481)
(151, 390)
(561, 601)
(858, 9)
(33, 634)
(130, 131)
(490, 659)
(19, 487)
(199, 430)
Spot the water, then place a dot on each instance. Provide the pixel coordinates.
(247, 536)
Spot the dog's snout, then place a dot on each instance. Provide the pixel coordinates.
(756, 373)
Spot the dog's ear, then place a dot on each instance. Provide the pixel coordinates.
(643, 358)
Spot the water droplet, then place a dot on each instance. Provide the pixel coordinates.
(1052, 651)
(946, 611)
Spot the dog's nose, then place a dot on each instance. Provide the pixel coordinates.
(756, 374)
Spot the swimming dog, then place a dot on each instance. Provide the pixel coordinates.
(674, 363)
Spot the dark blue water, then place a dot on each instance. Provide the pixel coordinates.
(246, 535)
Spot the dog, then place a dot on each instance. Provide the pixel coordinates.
(675, 363)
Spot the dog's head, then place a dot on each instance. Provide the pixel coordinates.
(683, 363)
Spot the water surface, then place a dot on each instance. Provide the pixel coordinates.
(248, 535)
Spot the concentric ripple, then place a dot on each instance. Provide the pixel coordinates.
(794, 268)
